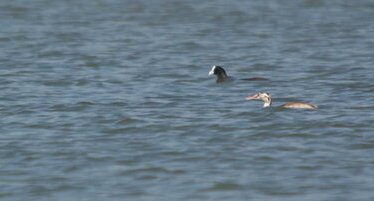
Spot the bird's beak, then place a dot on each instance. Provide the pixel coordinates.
(251, 97)
(211, 72)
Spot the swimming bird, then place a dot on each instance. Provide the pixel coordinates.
(266, 98)
(222, 76)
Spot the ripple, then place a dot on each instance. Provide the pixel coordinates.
(79, 106)
(226, 186)
(153, 171)
(362, 146)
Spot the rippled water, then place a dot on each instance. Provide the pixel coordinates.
(111, 100)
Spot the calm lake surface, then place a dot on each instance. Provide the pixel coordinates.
(111, 100)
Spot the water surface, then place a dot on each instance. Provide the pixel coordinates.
(111, 100)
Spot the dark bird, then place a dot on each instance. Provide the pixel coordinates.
(222, 76)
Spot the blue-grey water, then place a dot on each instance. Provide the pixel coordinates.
(111, 100)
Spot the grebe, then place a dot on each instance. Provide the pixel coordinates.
(222, 75)
(266, 98)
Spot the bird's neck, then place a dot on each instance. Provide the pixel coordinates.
(267, 103)
(222, 77)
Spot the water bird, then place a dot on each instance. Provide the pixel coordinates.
(222, 76)
(266, 98)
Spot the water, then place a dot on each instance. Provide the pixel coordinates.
(111, 100)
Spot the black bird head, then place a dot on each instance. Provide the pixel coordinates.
(218, 71)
